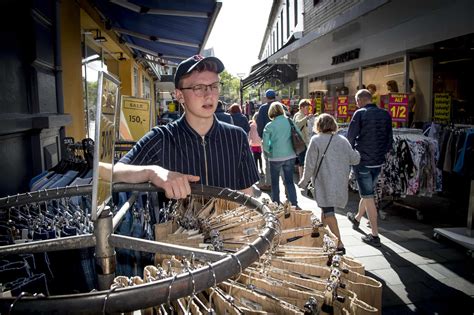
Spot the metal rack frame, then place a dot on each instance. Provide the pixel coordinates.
(224, 265)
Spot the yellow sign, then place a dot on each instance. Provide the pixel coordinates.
(442, 107)
(135, 118)
(108, 93)
(171, 107)
(318, 101)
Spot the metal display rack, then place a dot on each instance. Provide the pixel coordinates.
(223, 265)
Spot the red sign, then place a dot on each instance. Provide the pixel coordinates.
(342, 106)
(398, 107)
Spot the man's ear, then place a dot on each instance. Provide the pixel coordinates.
(179, 96)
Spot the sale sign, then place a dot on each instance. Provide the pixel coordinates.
(318, 103)
(398, 107)
(342, 106)
(135, 118)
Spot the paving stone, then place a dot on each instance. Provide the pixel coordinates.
(372, 263)
(362, 250)
(451, 254)
(422, 257)
(389, 275)
(393, 247)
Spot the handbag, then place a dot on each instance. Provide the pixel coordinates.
(310, 187)
(296, 139)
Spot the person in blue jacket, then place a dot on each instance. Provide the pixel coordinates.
(370, 133)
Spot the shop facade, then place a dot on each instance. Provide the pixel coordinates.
(368, 44)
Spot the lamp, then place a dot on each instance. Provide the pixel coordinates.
(98, 36)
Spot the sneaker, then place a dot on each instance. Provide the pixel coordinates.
(352, 218)
(265, 187)
(371, 240)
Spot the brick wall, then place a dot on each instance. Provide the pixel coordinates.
(324, 11)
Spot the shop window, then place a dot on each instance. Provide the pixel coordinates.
(295, 11)
(92, 63)
(386, 77)
(135, 82)
(146, 92)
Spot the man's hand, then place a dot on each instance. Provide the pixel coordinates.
(175, 185)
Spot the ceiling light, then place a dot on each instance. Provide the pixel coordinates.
(98, 37)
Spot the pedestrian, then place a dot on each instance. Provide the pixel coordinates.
(195, 148)
(262, 121)
(278, 147)
(370, 133)
(239, 119)
(328, 161)
(255, 143)
(301, 121)
(222, 115)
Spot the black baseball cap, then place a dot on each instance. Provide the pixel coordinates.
(188, 65)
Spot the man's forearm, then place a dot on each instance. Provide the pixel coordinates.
(130, 173)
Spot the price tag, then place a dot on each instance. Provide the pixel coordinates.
(342, 106)
(398, 107)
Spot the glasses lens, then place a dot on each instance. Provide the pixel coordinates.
(200, 89)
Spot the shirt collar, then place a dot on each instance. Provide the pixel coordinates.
(184, 125)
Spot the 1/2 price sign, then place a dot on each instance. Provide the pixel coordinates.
(135, 118)
(342, 106)
(398, 107)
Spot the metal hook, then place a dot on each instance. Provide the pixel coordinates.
(22, 295)
(169, 290)
(255, 249)
(106, 298)
(267, 240)
(238, 262)
(194, 291)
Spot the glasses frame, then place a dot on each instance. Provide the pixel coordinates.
(207, 87)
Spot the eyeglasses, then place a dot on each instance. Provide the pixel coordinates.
(201, 89)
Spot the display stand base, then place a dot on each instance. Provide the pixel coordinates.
(460, 235)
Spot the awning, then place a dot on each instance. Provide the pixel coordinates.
(171, 30)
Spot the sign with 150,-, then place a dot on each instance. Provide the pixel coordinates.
(398, 107)
(135, 118)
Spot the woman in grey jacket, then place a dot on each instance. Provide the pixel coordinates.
(331, 181)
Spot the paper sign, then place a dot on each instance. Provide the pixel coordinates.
(135, 118)
(442, 108)
(398, 107)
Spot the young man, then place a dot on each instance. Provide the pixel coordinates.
(195, 148)
(370, 133)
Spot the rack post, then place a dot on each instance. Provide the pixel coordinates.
(104, 252)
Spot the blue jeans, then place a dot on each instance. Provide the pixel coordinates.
(288, 168)
(366, 179)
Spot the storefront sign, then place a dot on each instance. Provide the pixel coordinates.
(442, 108)
(342, 106)
(135, 118)
(398, 107)
(345, 57)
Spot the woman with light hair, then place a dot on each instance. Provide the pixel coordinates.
(328, 160)
(279, 149)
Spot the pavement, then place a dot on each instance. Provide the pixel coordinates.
(420, 274)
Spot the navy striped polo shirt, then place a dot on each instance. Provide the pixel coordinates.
(221, 158)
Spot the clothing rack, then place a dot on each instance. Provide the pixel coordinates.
(462, 235)
(223, 265)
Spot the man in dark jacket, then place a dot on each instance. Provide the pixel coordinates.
(222, 115)
(262, 121)
(370, 133)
